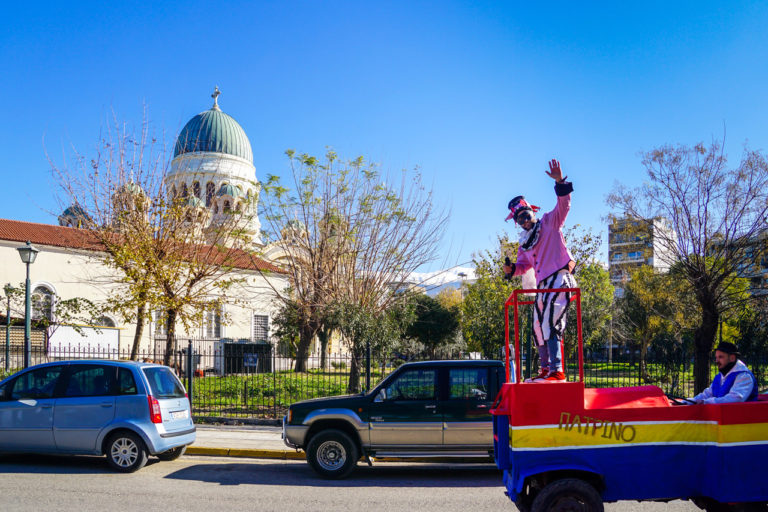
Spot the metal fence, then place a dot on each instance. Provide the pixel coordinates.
(251, 380)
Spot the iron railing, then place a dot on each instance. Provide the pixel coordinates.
(251, 380)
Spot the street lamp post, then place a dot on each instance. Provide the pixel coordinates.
(7, 290)
(28, 254)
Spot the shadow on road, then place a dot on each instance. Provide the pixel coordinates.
(380, 475)
(56, 464)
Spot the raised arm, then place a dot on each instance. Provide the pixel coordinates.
(563, 190)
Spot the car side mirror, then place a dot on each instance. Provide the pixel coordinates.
(381, 396)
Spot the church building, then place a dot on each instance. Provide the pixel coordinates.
(213, 167)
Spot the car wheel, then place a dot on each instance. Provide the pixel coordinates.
(126, 452)
(332, 454)
(172, 454)
(568, 494)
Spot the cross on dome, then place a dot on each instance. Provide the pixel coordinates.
(215, 97)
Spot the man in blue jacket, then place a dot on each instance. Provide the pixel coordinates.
(734, 382)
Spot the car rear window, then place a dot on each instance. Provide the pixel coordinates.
(163, 382)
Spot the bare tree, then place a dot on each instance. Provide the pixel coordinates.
(168, 250)
(110, 196)
(347, 236)
(716, 216)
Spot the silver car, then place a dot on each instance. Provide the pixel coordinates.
(122, 409)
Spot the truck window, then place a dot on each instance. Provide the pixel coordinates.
(468, 384)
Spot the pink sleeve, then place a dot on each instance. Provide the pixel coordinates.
(523, 262)
(560, 212)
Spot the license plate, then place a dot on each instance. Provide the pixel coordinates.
(179, 415)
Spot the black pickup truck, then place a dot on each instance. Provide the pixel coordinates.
(424, 409)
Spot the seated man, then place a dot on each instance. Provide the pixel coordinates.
(734, 383)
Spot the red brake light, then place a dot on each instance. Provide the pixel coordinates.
(154, 410)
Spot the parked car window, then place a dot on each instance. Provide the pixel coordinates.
(39, 383)
(126, 384)
(413, 385)
(468, 383)
(163, 382)
(90, 380)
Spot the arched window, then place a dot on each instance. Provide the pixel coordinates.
(215, 208)
(42, 303)
(210, 189)
(196, 189)
(184, 190)
(212, 324)
(227, 206)
(104, 321)
(174, 193)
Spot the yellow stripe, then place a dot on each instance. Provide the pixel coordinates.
(597, 434)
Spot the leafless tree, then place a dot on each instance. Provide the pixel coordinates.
(716, 218)
(346, 234)
(167, 251)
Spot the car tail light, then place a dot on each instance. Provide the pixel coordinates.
(154, 410)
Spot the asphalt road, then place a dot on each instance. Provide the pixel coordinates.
(40, 483)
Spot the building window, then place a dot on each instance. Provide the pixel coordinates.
(158, 318)
(196, 189)
(261, 328)
(104, 321)
(617, 256)
(212, 324)
(42, 303)
(210, 189)
(184, 190)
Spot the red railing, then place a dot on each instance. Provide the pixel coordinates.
(515, 300)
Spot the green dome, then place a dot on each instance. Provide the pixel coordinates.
(213, 131)
(229, 190)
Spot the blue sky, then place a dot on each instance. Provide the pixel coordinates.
(479, 95)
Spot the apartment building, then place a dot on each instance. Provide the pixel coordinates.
(633, 243)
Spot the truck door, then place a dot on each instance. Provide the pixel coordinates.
(406, 412)
(465, 408)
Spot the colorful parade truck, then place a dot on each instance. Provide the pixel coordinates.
(564, 446)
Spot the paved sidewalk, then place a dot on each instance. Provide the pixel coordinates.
(258, 441)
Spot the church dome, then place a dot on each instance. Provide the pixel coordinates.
(229, 190)
(214, 131)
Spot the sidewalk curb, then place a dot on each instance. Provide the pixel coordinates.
(244, 452)
(293, 455)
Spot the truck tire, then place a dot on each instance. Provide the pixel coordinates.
(571, 494)
(332, 454)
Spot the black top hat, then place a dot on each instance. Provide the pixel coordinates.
(728, 348)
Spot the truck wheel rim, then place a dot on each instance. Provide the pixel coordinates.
(331, 455)
(124, 452)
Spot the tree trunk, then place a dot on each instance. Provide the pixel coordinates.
(324, 335)
(353, 387)
(644, 361)
(704, 339)
(170, 340)
(141, 312)
(307, 333)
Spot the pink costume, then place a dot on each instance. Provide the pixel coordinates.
(543, 249)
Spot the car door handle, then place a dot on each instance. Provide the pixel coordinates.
(430, 406)
(46, 406)
(482, 406)
(106, 404)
